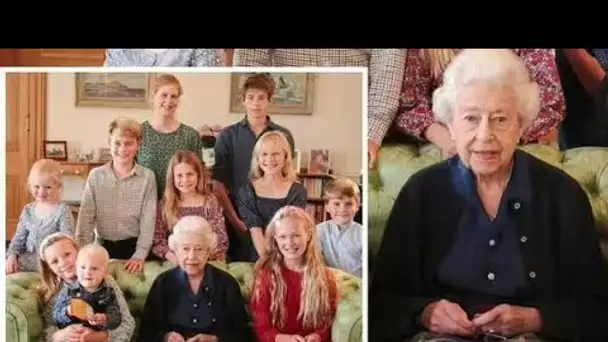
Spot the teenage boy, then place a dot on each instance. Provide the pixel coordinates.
(386, 68)
(234, 149)
(119, 200)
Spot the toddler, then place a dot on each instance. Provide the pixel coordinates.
(91, 301)
(40, 218)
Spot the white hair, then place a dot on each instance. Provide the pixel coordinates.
(494, 67)
(193, 227)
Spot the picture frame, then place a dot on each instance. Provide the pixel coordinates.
(294, 94)
(56, 150)
(296, 161)
(318, 161)
(113, 90)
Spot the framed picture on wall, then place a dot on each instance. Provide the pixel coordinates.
(318, 161)
(115, 90)
(293, 93)
(55, 149)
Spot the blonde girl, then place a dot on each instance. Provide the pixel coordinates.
(188, 192)
(272, 185)
(295, 296)
(57, 263)
(44, 216)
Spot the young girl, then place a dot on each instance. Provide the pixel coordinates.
(272, 185)
(295, 296)
(44, 216)
(58, 253)
(188, 192)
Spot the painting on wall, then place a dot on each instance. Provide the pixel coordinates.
(56, 149)
(115, 90)
(293, 94)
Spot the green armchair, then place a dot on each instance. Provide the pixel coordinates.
(24, 315)
(396, 163)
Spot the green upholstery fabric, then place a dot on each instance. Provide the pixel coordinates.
(24, 313)
(396, 163)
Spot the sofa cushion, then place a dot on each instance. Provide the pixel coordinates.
(397, 163)
(24, 320)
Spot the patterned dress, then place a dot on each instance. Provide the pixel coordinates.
(31, 230)
(212, 212)
(158, 148)
(415, 113)
(167, 58)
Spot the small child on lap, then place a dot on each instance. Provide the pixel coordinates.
(90, 301)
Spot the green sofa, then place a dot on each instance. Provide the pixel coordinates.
(397, 162)
(23, 312)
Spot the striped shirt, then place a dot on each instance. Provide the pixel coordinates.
(385, 69)
(342, 247)
(118, 209)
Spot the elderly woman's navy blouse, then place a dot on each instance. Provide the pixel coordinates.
(218, 308)
(485, 257)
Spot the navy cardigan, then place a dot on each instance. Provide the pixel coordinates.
(570, 288)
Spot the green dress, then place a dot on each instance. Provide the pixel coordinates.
(158, 148)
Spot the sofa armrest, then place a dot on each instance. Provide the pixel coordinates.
(348, 324)
(23, 313)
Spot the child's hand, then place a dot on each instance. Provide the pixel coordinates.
(314, 337)
(134, 265)
(170, 256)
(12, 266)
(98, 319)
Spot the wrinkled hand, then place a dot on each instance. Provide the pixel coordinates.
(314, 337)
(98, 319)
(174, 337)
(134, 265)
(12, 265)
(445, 317)
(289, 338)
(509, 320)
(372, 153)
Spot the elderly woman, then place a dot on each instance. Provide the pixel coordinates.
(491, 244)
(195, 301)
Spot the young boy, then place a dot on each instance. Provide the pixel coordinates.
(341, 237)
(89, 302)
(234, 148)
(119, 200)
